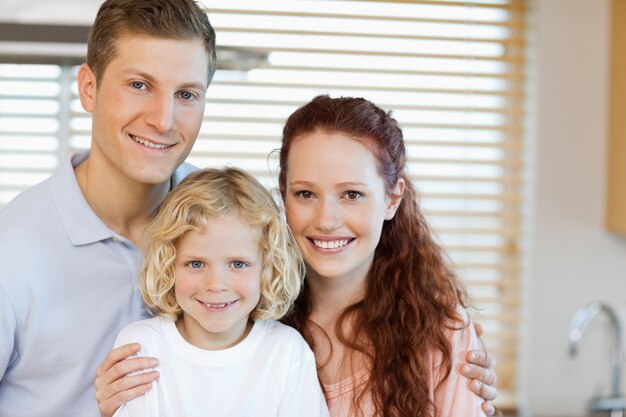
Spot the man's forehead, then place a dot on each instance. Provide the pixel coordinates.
(156, 59)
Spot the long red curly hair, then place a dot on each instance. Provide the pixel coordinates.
(411, 294)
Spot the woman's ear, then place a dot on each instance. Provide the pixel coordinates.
(395, 197)
(87, 87)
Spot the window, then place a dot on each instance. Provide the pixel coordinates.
(452, 72)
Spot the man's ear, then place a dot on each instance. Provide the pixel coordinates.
(395, 197)
(87, 87)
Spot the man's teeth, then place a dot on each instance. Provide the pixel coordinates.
(149, 144)
(333, 244)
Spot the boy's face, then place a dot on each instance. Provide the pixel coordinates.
(218, 281)
(148, 107)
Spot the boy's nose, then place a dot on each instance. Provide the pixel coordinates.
(215, 281)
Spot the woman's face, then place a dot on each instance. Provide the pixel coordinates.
(336, 204)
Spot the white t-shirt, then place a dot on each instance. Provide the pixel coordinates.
(269, 373)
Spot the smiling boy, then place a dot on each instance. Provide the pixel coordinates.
(68, 246)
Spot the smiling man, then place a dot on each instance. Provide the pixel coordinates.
(68, 246)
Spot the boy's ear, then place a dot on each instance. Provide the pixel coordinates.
(395, 197)
(87, 87)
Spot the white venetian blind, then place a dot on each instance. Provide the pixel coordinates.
(451, 71)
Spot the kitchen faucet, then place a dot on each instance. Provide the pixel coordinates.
(615, 403)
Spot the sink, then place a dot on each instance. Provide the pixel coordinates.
(608, 407)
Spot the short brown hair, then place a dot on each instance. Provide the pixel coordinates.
(168, 19)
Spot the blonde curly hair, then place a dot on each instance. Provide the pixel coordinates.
(212, 193)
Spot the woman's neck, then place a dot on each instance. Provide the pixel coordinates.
(330, 296)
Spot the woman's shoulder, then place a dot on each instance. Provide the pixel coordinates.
(461, 332)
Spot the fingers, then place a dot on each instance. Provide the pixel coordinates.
(117, 355)
(114, 386)
(480, 374)
(486, 392)
(479, 329)
(109, 406)
(481, 358)
(122, 368)
(489, 409)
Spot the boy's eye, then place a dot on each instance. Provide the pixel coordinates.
(196, 264)
(238, 264)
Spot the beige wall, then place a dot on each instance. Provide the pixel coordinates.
(572, 259)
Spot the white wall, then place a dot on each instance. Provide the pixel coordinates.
(572, 259)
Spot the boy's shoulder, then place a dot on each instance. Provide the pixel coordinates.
(282, 336)
(141, 330)
(279, 329)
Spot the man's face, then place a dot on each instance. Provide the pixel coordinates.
(147, 108)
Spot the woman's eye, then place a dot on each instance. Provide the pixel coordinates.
(304, 194)
(238, 264)
(353, 195)
(138, 85)
(196, 264)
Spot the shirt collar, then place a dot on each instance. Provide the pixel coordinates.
(82, 225)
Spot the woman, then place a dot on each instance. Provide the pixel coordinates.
(381, 309)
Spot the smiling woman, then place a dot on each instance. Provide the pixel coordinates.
(451, 71)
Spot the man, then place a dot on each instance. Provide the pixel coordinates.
(68, 246)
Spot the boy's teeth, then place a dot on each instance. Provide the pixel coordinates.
(217, 305)
(333, 244)
(147, 143)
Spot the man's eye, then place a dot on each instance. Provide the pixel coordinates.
(238, 264)
(186, 95)
(196, 264)
(138, 85)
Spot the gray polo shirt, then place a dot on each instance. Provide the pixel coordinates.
(67, 287)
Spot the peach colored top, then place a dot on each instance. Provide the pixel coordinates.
(452, 398)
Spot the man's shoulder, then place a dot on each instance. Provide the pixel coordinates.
(183, 171)
(26, 209)
(38, 193)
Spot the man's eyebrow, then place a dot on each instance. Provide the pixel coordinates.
(150, 78)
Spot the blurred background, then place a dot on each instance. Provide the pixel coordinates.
(508, 110)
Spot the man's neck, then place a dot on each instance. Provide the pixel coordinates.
(124, 205)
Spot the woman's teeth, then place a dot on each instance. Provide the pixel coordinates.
(333, 244)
